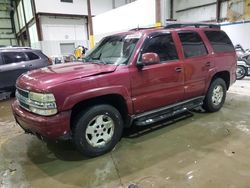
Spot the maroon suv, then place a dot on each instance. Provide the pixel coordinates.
(138, 77)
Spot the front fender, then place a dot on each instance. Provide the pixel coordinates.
(72, 100)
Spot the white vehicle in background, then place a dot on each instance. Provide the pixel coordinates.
(243, 62)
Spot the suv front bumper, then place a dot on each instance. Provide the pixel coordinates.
(52, 127)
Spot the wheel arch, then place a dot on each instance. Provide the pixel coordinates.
(225, 75)
(114, 100)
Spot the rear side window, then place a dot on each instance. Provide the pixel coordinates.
(1, 61)
(192, 44)
(13, 57)
(163, 45)
(220, 41)
(32, 56)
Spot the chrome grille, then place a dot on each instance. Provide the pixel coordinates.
(23, 98)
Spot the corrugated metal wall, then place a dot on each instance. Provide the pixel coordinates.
(199, 10)
(205, 10)
(7, 35)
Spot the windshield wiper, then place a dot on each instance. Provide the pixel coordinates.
(99, 62)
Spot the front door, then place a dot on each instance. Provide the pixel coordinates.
(161, 84)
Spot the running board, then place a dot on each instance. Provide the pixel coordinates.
(160, 114)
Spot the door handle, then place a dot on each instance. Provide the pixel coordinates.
(178, 69)
(30, 65)
(208, 64)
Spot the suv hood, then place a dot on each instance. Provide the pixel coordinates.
(56, 74)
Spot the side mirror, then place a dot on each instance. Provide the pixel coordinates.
(150, 58)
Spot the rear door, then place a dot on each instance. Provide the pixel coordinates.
(35, 61)
(224, 56)
(161, 84)
(196, 63)
(13, 65)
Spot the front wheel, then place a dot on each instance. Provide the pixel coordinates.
(240, 72)
(97, 130)
(216, 96)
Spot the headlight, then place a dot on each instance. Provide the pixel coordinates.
(40, 97)
(42, 104)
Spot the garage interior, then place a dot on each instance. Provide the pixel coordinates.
(196, 149)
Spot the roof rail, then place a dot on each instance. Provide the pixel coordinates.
(196, 25)
(14, 47)
(143, 28)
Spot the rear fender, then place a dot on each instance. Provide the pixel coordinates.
(211, 74)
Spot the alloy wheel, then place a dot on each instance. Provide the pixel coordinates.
(100, 131)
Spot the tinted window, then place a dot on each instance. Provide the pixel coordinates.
(67, 1)
(163, 45)
(41, 55)
(13, 57)
(220, 41)
(192, 44)
(32, 56)
(1, 61)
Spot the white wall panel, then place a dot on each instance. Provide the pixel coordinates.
(28, 10)
(223, 13)
(78, 7)
(183, 4)
(64, 28)
(165, 10)
(81, 32)
(57, 31)
(16, 22)
(195, 11)
(33, 34)
(6, 23)
(5, 42)
(139, 13)
(4, 14)
(119, 3)
(239, 33)
(21, 15)
(199, 14)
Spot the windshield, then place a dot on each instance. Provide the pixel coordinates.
(113, 50)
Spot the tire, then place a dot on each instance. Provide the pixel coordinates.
(240, 72)
(216, 96)
(97, 130)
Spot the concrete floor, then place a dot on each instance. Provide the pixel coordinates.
(202, 150)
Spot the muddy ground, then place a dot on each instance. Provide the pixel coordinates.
(198, 150)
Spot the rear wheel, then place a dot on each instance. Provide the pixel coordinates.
(97, 130)
(216, 96)
(240, 72)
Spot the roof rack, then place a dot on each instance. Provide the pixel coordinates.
(143, 28)
(14, 47)
(196, 25)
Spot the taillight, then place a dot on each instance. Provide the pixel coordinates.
(50, 62)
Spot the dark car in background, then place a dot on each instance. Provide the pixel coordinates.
(15, 61)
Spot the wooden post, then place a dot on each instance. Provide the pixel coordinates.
(157, 13)
(218, 10)
(90, 24)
